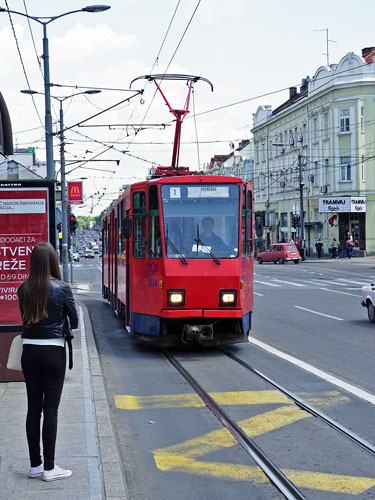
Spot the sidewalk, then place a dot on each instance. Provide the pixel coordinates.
(367, 260)
(85, 440)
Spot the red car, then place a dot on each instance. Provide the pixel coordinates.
(280, 253)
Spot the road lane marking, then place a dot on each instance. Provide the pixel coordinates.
(265, 283)
(356, 391)
(192, 400)
(288, 282)
(355, 282)
(319, 313)
(319, 281)
(260, 294)
(183, 457)
(342, 293)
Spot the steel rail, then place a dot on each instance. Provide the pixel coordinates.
(286, 487)
(363, 443)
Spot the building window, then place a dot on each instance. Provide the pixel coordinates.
(326, 165)
(362, 119)
(304, 134)
(295, 136)
(363, 168)
(315, 129)
(344, 120)
(346, 174)
(257, 153)
(291, 139)
(263, 152)
(316, 171)
(325, 125)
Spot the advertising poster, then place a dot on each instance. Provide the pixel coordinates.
(24, 222)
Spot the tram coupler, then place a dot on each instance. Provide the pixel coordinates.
(197, 333)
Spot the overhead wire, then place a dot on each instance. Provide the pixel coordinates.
(22, 63)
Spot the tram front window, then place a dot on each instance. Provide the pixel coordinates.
(201, 221)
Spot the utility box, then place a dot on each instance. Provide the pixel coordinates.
(27, 217)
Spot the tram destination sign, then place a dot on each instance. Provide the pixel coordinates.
(342, 204)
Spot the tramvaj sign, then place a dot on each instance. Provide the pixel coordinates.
(342, 204)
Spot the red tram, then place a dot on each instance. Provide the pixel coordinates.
(177, 257)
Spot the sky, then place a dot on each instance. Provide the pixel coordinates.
(247, 50)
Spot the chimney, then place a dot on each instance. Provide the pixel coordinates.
(292, 92)
(368, 54)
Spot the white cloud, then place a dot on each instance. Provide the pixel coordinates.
(82, 42)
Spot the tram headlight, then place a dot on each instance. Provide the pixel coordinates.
(176, 297)
(227, 298)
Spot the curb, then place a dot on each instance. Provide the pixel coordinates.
(113, 478)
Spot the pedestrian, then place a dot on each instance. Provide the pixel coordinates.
(349, 248)
(298, 244)
(319, 246)
(45, 303)
(334, 247)
(302, 248)
(348, 237)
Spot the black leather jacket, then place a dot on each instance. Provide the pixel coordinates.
(60, 303)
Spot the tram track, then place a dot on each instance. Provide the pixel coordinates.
(275, 475)
(272, 471)
(355, 438)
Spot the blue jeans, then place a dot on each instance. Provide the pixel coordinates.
(350, 252)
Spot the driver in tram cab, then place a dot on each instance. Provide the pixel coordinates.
(209, 238)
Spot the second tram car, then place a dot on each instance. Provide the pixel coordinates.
(178, 259)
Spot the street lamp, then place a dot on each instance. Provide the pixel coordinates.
(65, 257)
(47, 83)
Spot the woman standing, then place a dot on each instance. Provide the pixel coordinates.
(44, 301)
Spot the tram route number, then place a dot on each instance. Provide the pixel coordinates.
(8, 293)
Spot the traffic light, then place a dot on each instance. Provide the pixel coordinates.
(72, 223)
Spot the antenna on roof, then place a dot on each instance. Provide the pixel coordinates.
(327, 42)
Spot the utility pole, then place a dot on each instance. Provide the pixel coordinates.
(301, 186)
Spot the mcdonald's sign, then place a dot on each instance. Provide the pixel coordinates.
(75, 192)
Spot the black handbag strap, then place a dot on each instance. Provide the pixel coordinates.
(70, 350)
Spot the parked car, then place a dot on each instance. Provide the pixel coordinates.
(368, 300)
(89, 253)
(280, 253)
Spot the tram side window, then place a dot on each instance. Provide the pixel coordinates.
(121, 243)
(246, 228)
(139, 224)
(105, 238)
(154, 233)
(243, 224)
(249, 223)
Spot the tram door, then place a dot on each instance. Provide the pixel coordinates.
(127, 277)
(115, 263)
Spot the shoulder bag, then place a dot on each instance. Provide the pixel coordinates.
(15, 353)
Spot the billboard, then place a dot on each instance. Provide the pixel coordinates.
(75, 192)
(24, 222)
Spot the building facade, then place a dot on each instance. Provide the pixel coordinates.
(321, 143)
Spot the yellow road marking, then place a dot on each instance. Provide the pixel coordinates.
(351, 485)
(222, 438)
(129, 402)
(183, 457)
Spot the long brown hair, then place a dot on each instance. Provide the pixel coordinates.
(35, 290)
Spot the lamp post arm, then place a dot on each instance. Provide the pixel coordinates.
(38, 19)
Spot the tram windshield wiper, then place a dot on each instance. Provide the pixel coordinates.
(176, 250)
(207, 249)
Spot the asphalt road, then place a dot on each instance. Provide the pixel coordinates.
(172, 447)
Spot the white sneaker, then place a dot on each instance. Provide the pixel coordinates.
(56, 473)
(36, 471)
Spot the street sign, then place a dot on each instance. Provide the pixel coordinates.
(31, 149)
(75, 192)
